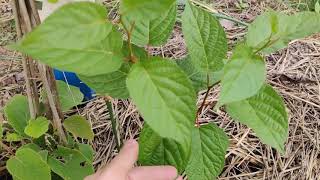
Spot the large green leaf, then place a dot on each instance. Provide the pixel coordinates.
(77, 38)
(37, 127)
(274, 30)
(28, 165)
(154, 31)
(205, 38)
(69, 95)
(114, 84)
(243, 76)
(70, 164)
(17, 113)
(79, 127)
(165, 97)
(209, 146)
(198, 78)
(266, 114)
(144, 9)
(155, 150)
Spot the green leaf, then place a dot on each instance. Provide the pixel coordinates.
(209, 146)
(152, 31)
(205, 38)
(76, 38)
(274, 30)
(165, 97)
(144, 9)
(17, 113)
(36, 148)
(79, 127)
(243, 76)
(37, 127)
(198, 78)
(13, 137)
(266, 114)
(28, 165)
(70, 164)
(114, 84)
(154, 150)
(69, 95)
(87, 151)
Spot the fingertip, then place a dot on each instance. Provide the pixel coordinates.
(171, 171)
(180, 178)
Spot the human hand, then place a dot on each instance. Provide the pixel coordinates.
(122, 167)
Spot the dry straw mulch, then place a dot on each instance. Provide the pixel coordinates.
(294, 72)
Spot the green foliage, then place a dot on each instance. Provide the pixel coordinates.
(144, 9)
(198, 78)
(266, 114)
(79, 127)
(114, 84)
(155, 150)
(152, 31)
(69, 96)
(37, 127)
(244, 75)
(13, 137)
(17, 113)
(205, 38)
(209, 146)
(166, 98)
(274, 30)
(28, 165)
(71, 164)
(76, 38)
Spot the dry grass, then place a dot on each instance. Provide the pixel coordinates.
(294, 72)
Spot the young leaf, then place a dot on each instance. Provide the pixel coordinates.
(37, 127)
(79, 127)
(28, 165)
(152, 31)
(13, 137)
(114, 84)
(205, 38)
(266, 114)
(17, 113)
(36, 148)
(165, 97)
(76, 38)
(155, 150)
(198, 78)
(144, 9)
(274, 30)
(70, 164)
(243, 76)
(208, 149)
(69, 95)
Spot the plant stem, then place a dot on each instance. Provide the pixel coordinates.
(129, 32)
(114, 124)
